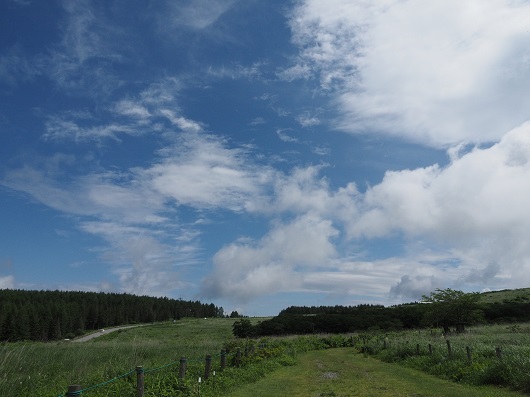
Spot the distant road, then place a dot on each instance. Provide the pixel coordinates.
(103, 332)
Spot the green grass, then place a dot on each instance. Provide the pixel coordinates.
(28, 369)
(46, 369)
(521, 294)
(342, 372)
(485, 368)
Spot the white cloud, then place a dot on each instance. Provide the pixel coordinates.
(285, 137)
(476, 206)
(236, 72)
(257, 121)
(58, 128)
(437, 73)
(202, 172)
(181, 122)
(199, 14)
(142, 262)
(132, 109)
(135, 212)
(7, 282)
(462, 225)
(90, 47)
(295, 72)
(246, 269)
(306, 120)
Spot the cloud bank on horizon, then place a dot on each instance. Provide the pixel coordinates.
(263, 155)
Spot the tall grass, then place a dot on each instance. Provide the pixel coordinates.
(511, 370)
(47, 369)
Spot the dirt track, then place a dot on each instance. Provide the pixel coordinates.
(101, 333)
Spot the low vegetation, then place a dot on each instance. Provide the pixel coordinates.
(477, 356)
(486, 355)
(344, 372)
(46, 369)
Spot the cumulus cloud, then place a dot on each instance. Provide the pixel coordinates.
(246, 269)
(460, 225)
(438, 73)
(476, 206)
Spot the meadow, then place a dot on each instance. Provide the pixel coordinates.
(484, 355)
(46, 369)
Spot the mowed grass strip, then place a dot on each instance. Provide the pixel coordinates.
(343, 372)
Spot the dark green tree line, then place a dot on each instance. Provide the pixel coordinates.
(52, 315)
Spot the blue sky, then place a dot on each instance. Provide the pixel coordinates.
(265, 154)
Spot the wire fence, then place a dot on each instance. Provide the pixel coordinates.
(77, 390)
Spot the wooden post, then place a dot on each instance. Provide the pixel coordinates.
(223, 359)
(498, 353)
(449, 351)
(74, 390)
(385, 343)
(182, 369)
(207, 367)
(140, 382)
(430, 349)
(469, 357)
(238, 357)
(417, 349)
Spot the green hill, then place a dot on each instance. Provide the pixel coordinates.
(506, 295)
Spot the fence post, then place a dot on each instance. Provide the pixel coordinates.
(182, 369)
(449, 350)
(498, 353)
(140, 381)
(238, 357)
(469, 356)
(73, 390)
(417, 349)
(207, 367)
(430, 349)
(223, 359)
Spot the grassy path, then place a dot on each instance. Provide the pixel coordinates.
(341, 372)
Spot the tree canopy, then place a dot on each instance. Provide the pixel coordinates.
(448, 307)
(51, 315)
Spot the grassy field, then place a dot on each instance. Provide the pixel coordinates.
(286, 366)
(48, 368)
(493, 355)
(521, 294)
(342, 372)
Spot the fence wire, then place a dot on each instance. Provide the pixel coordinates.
(145, 371)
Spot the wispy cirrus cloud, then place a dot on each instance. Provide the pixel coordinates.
(136, 212)
(198, 14)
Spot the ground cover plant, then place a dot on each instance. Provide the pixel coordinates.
(344, 372)
(485, 355)
(46, 369)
